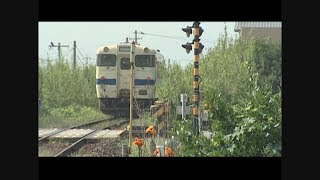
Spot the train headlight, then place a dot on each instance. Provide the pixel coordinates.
(146, 50)
(102, 77)
(105, 49)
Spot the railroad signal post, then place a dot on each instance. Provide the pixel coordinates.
(198, 47)
(131, 93)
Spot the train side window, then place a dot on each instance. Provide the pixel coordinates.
(106, 60)
(125, 63)
(145, 60)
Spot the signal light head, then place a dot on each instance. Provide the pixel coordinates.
(196, 23)
(187, 30)
(200, 31)
(187, 46)
(200, 47)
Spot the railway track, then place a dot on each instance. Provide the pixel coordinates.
(44, 138)
(79, 143)
(74, 138)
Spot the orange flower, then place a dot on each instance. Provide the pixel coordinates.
(168, 152)
(150, 130)
(139, 142)
(156, 152)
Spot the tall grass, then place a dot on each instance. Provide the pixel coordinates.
(68, 96)
(60, 85)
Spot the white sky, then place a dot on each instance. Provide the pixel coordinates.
(91, 35)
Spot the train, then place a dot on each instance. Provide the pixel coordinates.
(113, 78)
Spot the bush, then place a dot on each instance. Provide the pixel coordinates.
(61, 86)
(241, 84)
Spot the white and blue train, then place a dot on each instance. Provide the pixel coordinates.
(113, 77)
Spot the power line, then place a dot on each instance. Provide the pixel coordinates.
(67, 52)
(80, 53)
(80, 60)
(170, 37)
(84, 58)
(173, 37)
(87, 58)
(181, 60)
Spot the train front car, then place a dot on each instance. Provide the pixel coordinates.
(113, 78)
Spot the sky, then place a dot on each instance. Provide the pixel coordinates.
(165, 36)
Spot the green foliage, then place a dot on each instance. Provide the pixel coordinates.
(191, 145)
(60, 85)
(241, 84)
(68, 96)
(257, 122)
(69, 116)
(174, 83)
(71, 111)
(267, 58)
(254, 128)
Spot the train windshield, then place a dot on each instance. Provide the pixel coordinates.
(106, 60)
(125, 63)
(145, 60)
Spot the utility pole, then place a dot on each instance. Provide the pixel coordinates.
(59, 48)
(198, 47)
(131, 93)
(135, 37)
(74, 54)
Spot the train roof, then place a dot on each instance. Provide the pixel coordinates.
(114, 48)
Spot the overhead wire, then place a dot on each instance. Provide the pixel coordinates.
(173, 37)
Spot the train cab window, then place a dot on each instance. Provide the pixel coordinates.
(145, 60)
(125, 63)
(106, 60)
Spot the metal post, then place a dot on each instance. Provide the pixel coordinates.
(200, 114)
(197, 32)
(161, 150)
(182, 106)
(131, 92)
(152, 146)
(59, 52)
(136, 36)
(199, 120)
(74, 54)
(124, 150)
(196, 76)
